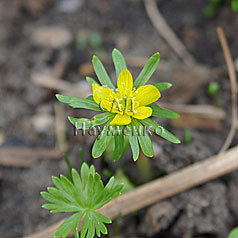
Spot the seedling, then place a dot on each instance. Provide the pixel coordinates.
(125, 109)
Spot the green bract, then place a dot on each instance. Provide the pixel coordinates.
(83, 196)
(134, 127)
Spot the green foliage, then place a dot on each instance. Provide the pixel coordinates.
(101, 73)
(83, 196)
(144, 139)
(136, 133)
(121, 178)
(234, 5)
(187, 136)
(159, 130)
(119, 61)
(90, 80)
(119, 142)
(148, 70)
(213, 88)
(212, 8)
(163, 86)
(234, 233)
(163, 113)
(75, 102)
(133, 140)
(102, 141)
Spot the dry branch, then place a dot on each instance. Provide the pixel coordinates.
(204, 117)
(163, 28)
(233, 84)
(25, 157)
(165, 187)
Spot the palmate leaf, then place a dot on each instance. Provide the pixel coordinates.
(148, 70)
(84, 195)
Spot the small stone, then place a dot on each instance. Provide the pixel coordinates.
(53, 37)
(43, 123)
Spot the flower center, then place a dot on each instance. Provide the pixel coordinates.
(124, 104)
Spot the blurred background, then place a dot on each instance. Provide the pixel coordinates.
(46, 47)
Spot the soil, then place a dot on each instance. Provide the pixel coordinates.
(207, 211)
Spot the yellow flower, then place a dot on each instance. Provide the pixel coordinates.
(126, 101)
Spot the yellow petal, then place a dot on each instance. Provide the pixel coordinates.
(125, 82)
(121, 120)
(147, 94)
(105, 104)
(142, 112)
(102, 93)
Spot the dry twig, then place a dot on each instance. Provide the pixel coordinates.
(163, 28)
(165, 187)
(233, 84)
(25, 157)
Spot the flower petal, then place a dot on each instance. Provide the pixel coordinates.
(121, 120)
(142, 112)
(147, 94)
(102, 93)
(125, 82)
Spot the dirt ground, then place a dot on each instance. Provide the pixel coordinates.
(27, 111)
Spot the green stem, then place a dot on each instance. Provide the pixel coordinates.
(144, 167)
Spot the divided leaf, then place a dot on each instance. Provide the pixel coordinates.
(84, 195)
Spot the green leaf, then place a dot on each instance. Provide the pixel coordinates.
(91, 80)
(84, 195)
(119, 142)
(76, 102)
(163, 113)
(69, 224)
(234, 5)
(159, 130)
(133, 140)
(86, 124)
(144, 139)
(101, 73)
(119, 61)
(148, 70)
(103, 117)
(163, 86)
(234, 233)
(81, 123)
(102, 141)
